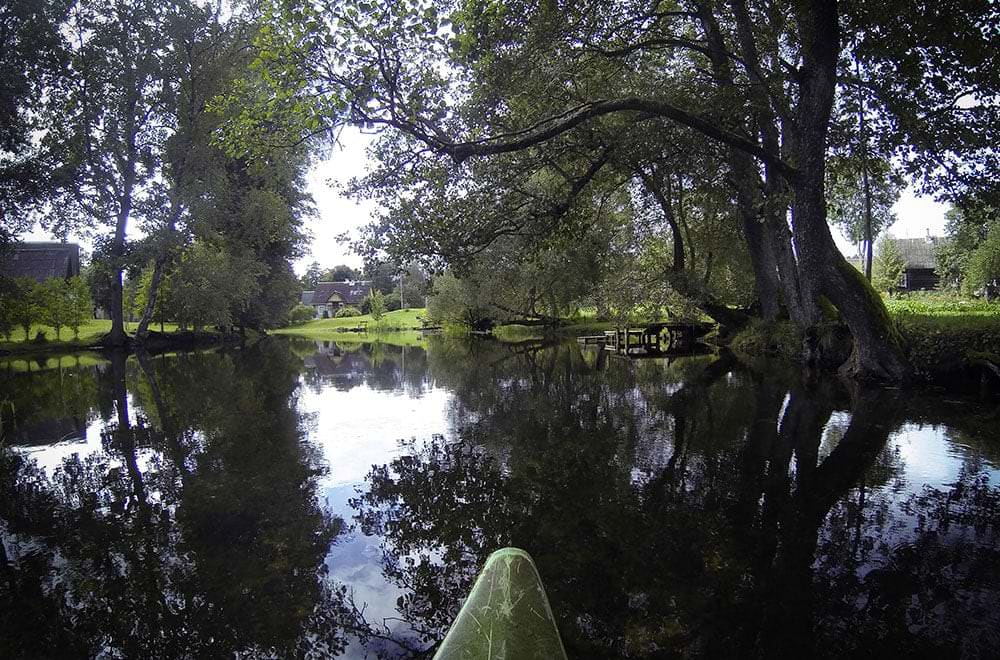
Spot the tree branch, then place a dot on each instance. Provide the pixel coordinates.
(553, 127)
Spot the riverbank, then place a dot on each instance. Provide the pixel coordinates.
(946, 340)
(90, 334)
(400, 320)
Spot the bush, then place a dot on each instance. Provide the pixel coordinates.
(40, 337)
(347, 312)
(300, 314)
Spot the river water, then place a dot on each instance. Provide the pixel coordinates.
(307, 499)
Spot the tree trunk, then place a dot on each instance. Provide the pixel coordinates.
(876, 351)
(760, 243)
(147, 313)
(677, 276)
(746, 181)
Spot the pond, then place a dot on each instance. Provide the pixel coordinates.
(307, 499)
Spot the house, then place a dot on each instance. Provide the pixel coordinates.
(328, 297)
(920, 259)
(41, 261)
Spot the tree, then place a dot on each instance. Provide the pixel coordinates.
(55, 302)
(888, 267)
(25, 308)
(313, 275)
(510, 80)
(106, 120)
(376, 306)
(80, 306)
(968, 225)
(212, 287)
(7, 322)
(341, 273)
(383, 276)
(33, 55)
(982, 271)
(861, 217)
(163, 302)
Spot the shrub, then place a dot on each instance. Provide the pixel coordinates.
(347, 312)
(40, 337)
(300, 314)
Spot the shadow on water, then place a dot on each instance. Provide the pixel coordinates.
(690, 507)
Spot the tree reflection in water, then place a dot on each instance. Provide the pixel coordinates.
(708, 519)
(196, 532)
(696, 507)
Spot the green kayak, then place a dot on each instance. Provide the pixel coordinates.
(506, 616)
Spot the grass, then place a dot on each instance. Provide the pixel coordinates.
(393, 338)
(399, 320)
(938, 305)
(89, 333)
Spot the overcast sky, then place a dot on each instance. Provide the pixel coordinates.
(337, 215)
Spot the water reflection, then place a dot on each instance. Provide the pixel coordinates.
(194, 531)
(691, 507)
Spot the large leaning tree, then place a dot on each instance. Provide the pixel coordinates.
(464, 81)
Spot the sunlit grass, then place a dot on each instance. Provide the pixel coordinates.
(396, 321)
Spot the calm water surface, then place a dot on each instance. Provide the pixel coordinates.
(295, 499)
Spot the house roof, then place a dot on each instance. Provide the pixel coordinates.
(350, 293)
(40, 261)
(918, 252)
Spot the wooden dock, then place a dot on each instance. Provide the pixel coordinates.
(653, 338)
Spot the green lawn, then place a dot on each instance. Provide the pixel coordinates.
(89, 333)
(399, 320)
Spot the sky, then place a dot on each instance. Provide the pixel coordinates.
(337, 215)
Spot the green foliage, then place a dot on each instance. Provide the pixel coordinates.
(347, 312)
(888, 266)
(456, 301)
(341, 273)
(945, 345)
(376, 305)
(313, 275)
(211, 287)
(982, 270)
(164, 296)
(23, 304)
(64, 303)
(56, 304)
(80, 304)
(935, 304)
(300, 314)
(845, 197)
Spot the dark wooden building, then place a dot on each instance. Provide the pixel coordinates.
(921, 262)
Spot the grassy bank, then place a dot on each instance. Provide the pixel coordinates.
(90, 332)
(944, 337)
(400, 320)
